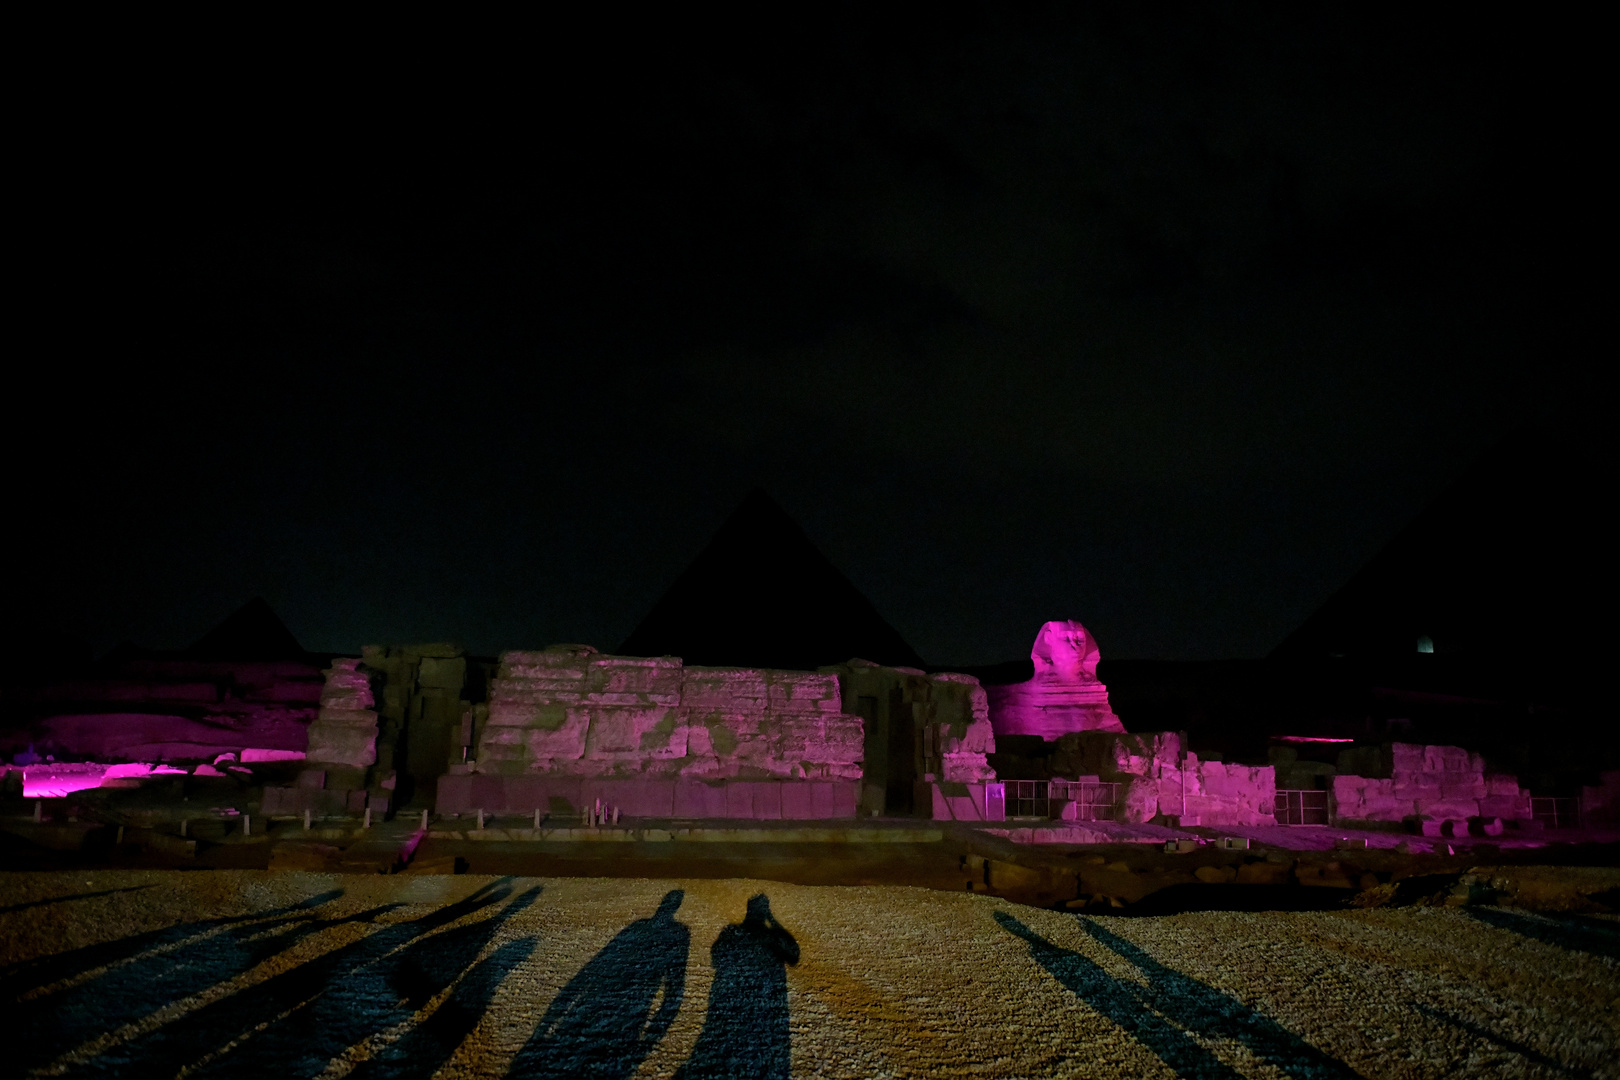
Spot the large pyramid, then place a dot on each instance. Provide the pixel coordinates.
(1504, 565)
(761, 595)
(251, 632)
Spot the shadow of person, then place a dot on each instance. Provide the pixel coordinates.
(1164, 1013)
(610, 1016)
(745, 1032)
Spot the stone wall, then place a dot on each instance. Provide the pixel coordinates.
(176, 710)
(927, 737)
(571, 711)
(1219, 793)
(1600, 802)
(657, 738)
(1433, 783)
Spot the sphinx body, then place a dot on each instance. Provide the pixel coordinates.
(1065, 694)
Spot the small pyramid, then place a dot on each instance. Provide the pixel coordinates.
(251, 632)
(761, 595)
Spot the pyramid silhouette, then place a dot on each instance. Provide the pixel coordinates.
(1504, 563)
(761, 595)
(251, 632)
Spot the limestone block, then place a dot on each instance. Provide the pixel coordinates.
(356, 746)
(627, 680)
(1510, 807)
(445, 674)
(699, 741)
(346, 686)
(539, 691)
(1447, 808)
(723, 688)
(813, 738)
(566, 742)
(1139, 800)
(1406, 758)
(550, 717)
(1421, 787)
(801, 691)
(1501, 784)
(1462, 786)
(547, 661)
(632, 732)
(341, 718)
(966, 768)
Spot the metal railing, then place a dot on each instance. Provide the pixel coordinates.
(1302, 807)
(1557, 813)
(1045, 800)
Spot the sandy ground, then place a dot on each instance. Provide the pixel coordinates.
(156, 973)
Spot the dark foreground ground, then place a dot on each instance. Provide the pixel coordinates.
(286, 973)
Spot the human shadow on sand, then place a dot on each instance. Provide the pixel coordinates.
(1166, 1013)
(608, 1018)
(125, 992)
(293, 1023)
(745, 1032)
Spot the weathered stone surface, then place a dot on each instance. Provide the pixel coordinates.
(442, 673)
(344, 732)
(1065, 694)
(571, 711)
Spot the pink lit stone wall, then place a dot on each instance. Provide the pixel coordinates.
(172, 710)
(571, 711)
(656, 738)
(1064, 695)
(344, 732)
(1436, 783)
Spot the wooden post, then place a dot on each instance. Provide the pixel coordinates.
(306, 819)
(247, 825)
(39, 811)
(120, 839)
(183, 823)
(424, 821)
(480, 819)
(537, 817)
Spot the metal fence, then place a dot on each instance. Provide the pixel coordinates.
(1557, 813)
(1302, 807)
(1045, 800)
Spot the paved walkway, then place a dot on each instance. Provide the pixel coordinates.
(245, 973)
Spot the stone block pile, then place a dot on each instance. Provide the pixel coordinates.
(340, 752)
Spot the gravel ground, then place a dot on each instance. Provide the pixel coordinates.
(290, 974)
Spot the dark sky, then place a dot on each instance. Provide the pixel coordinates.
(1165, 322)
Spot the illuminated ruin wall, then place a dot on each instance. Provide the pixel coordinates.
(655, 738)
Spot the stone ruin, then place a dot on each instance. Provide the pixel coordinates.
(565, 728)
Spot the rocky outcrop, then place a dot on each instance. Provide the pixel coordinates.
(1064, 696)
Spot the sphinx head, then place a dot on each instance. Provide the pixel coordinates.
(1066, 652)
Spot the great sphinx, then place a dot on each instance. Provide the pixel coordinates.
(1064, 695)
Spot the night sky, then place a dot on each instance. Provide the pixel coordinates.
(1165, 322)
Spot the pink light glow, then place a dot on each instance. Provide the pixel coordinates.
(58, 779)
(1306, 738)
